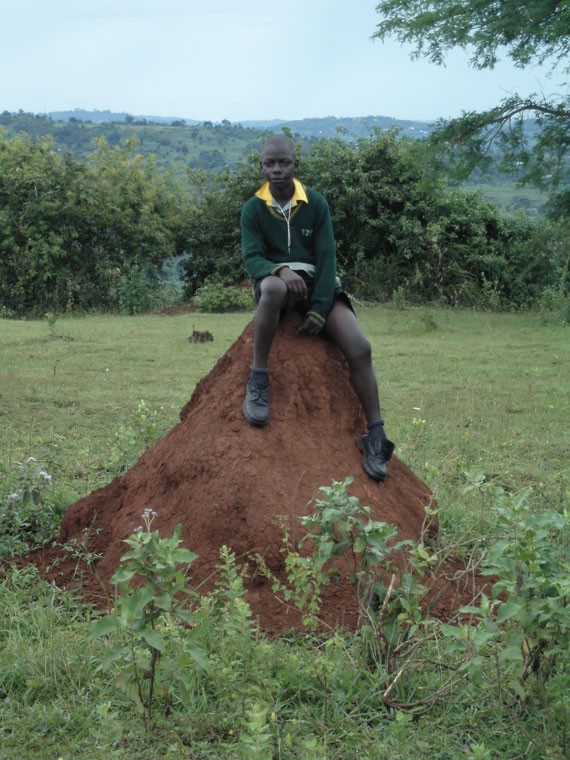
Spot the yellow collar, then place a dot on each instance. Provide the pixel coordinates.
(299, 195)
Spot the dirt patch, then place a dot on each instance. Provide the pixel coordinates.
(230, 483)
(201, 336)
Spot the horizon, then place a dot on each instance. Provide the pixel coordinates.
(220, 61)
(214, 121)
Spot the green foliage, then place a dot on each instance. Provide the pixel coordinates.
(77, 235)
(397, 228)
(215, 297)
(518, 643)
(524, 631)
(213, 235)
(32, 511)
(193, 145)
(132, 438)
(534, 34)
(158, 650)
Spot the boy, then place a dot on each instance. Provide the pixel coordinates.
(288, 250)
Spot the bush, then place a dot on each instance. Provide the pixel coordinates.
(212, 233)
(220, 298)
(74, 234)
(398, 228)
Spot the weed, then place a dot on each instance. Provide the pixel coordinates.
(31, 512)
(51, 319)
(157, 651)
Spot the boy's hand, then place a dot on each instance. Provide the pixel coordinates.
(311, 325)
(295, 283)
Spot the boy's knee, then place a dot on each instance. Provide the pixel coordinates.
(273, 292)
(360, 352)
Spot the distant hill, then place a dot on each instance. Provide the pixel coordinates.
(325, 126)
(178, 143)
(103, 117)
(328, 126)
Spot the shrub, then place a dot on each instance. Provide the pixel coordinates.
(220, 298)
(74, 234)
(397, 227)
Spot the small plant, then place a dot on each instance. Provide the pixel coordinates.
(340, 523)
(256, 740)
(31, 510)
(51, 319)
(78, 549)
(7, 313)
(134, 290)
(160, 649)
(131, 439)
(215, 297)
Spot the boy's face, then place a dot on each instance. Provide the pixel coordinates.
(278, 163)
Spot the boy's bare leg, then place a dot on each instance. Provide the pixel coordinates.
(273, 296)
(342, 328)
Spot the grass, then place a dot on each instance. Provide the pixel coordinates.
(68, 392)
(491, 388)
(461, 391)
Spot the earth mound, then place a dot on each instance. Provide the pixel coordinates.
(230, 483)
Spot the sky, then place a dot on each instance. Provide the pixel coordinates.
(232, 59)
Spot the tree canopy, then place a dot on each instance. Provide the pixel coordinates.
(537, 32)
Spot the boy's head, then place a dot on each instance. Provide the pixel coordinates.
(278, 161)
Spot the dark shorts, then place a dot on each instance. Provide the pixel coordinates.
(303, 305)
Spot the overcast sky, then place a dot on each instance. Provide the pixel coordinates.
(232, 59)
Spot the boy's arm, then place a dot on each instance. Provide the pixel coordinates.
(325, 260)
(254, 247)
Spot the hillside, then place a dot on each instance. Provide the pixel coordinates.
(181, 143)
(174, 145)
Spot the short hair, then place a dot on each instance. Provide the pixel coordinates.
(274, 140)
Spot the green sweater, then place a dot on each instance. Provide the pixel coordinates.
(264, 244)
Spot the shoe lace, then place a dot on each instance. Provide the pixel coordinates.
(374, 446)
(259, 391)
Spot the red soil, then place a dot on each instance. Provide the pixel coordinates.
(230, 483)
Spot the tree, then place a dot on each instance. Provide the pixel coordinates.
(537, 32)
(398, 228)
(83, 235)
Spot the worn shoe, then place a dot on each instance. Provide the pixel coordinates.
(375, 454)
(256, 402)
